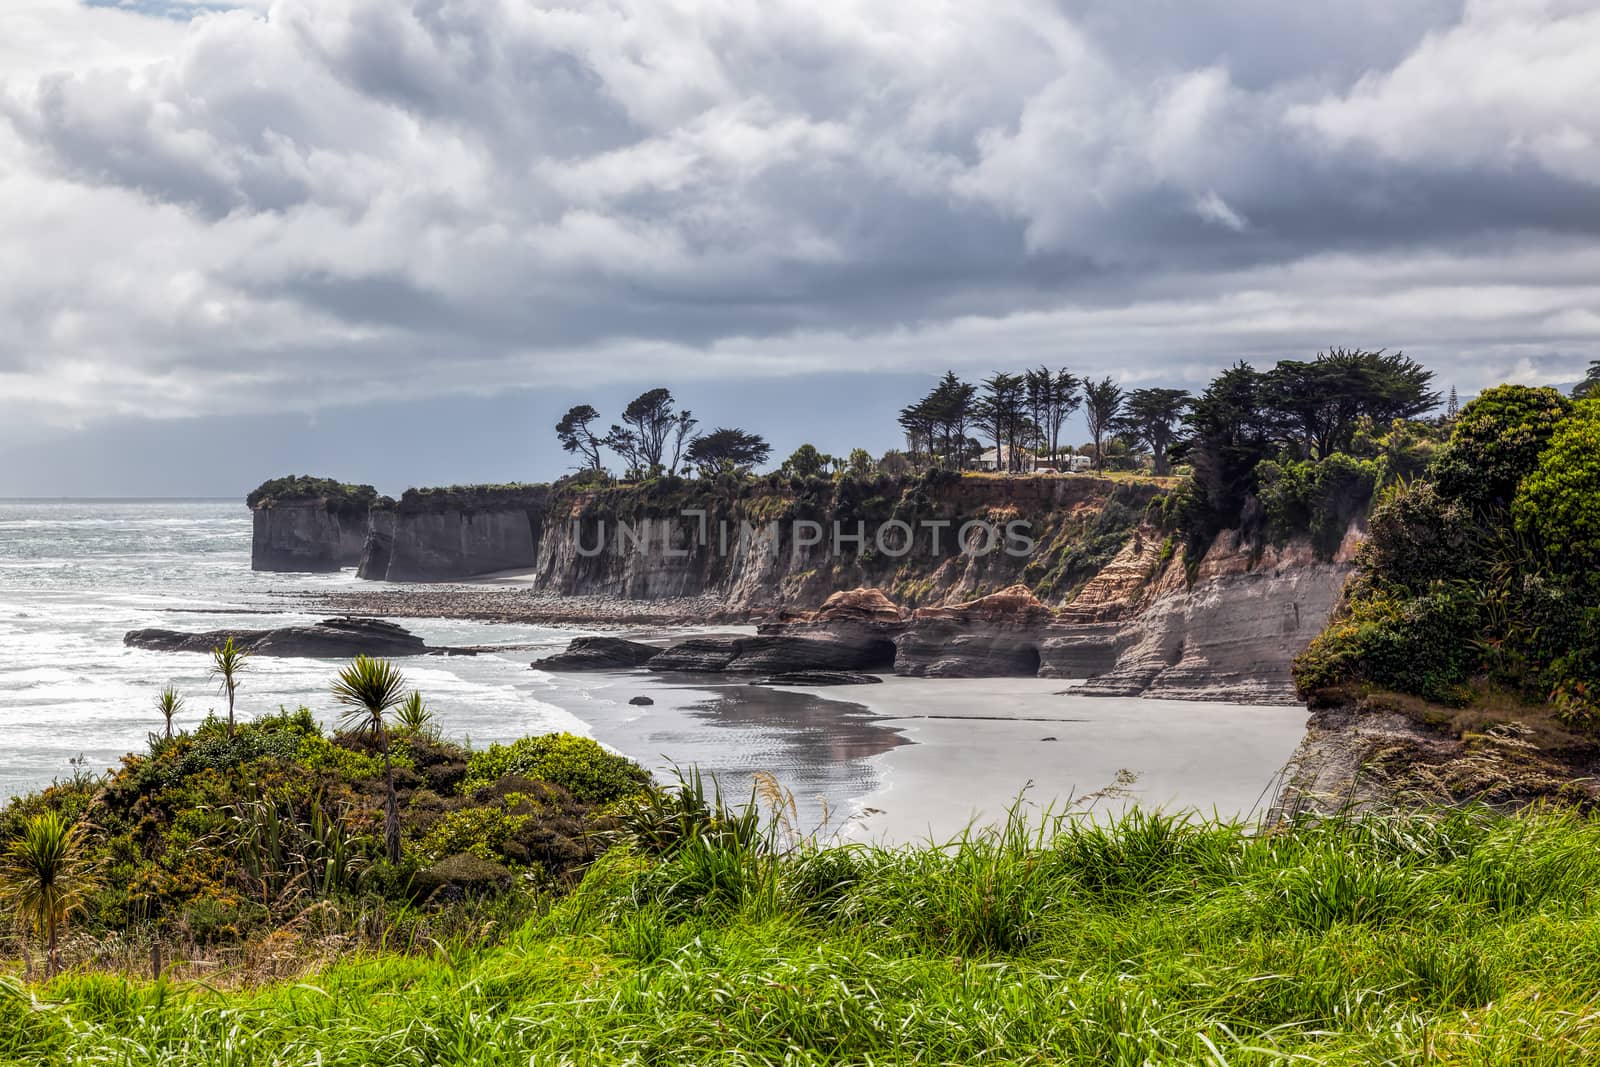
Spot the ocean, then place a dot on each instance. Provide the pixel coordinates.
(75, 575)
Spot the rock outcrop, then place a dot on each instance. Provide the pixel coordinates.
(994, 636)
(599, 654)
(328, 639)
(1139, 628)
(709, 655)
(1231, 635)
(817, 678)
(306, 536)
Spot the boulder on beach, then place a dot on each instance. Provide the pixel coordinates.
(599, 654)
(328, 639)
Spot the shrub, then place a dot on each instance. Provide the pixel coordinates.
(1423, 645)
(1496, 442)
(580, 766)
(463, 875)
(1559, 502)
(1416, 537)
(1317, 497)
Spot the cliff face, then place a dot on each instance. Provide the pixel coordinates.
(306, 535)
(444, 535)
(1231, 635)
(1139, 628)
(770, 547)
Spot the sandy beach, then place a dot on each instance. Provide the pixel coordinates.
(917, 758)
(977, 743)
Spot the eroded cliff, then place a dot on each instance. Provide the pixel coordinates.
(306, 535)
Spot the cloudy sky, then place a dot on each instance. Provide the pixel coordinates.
(392, 240)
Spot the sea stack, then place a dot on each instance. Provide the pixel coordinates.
(308, 524)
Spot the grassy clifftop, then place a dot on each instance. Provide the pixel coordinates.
(1464, 939)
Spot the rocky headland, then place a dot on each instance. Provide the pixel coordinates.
(1102, 593)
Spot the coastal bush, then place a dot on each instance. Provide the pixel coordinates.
(1454, 937)
(581, 766)
(298, 487)
(1424, 645)
(1496, 442)
(1417, 537)
(1318, 497)
(212, 839)
(1558, 505)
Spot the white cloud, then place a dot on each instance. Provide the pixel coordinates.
(287, 205)
(1514, 84)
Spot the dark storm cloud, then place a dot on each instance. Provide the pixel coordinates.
(425, 196)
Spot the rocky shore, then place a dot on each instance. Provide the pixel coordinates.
(484, 602)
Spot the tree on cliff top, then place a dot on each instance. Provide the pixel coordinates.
(1102, 403)
(807, 462)
(938, 422)
(1590, 386)
(1051, 399)
(647, 422)
(575, 435)
(1003, 409)
(1151, 417)
(1319, 403)
(727, 450)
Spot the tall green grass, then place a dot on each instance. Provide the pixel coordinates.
(1459, 938)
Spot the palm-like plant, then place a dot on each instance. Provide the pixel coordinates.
(45, 878)
(369, 688)
(169, 704)
(412, 717)
(227, 663)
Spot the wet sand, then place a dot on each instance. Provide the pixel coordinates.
(978, 743)
(821, 749)
(917, 758)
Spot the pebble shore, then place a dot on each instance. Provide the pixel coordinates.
(500, 604)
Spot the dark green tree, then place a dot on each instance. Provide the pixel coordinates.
(1226, 436)
(576, 436)
(1102, 404)
(1151, 417)
(1319, 403)
(727, 449)
(641, 439)
(683, 425)
(1003, 411)
(807, 462)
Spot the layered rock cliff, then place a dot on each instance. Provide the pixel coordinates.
(1144, 626)
(302, 523)
(318, 534)
(775, 544)
(1067, 577)
(448, 534)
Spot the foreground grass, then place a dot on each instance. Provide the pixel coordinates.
(1462, 939)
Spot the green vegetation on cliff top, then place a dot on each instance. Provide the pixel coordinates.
(301, 487)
